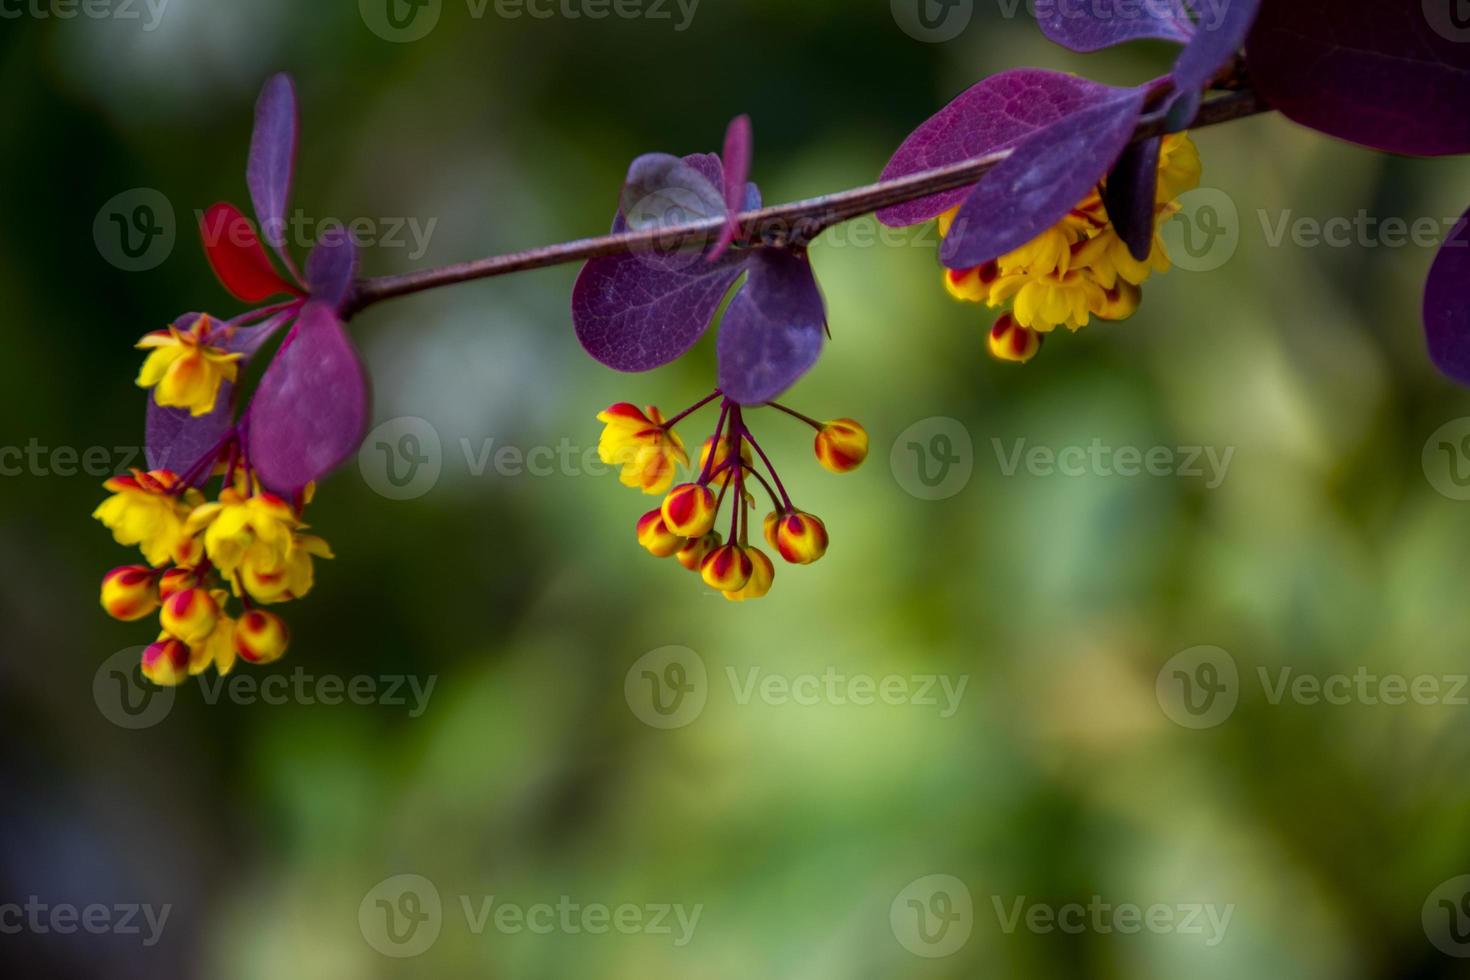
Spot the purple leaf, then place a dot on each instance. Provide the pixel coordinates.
(332, 266)
(1384, 74)
(178, 440)
(1103, 23)
(993, 115)
(1447, 305)
(772, 332)
(638, 311)
(310, 411)
(1223, 26)
(272, 157)
(662, 191)
(248, 340)
(736, 160)
(1044, 177)
(1129, 195)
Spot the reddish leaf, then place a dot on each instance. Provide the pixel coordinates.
(237, 257)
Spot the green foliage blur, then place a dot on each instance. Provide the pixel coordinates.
(1332, 544)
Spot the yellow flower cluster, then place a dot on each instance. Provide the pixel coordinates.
(1075, 270)
(248, 543)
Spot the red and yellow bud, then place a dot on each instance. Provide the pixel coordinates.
(1009, 341)
(190, 615)
(166, 661)
(727, 568)
(842, 445)
(176, 580)
(654, 535)
(129, 593)
(692, 555)
(770, 527)
(762, 574)
(801, 538)
(261, 637)
(689, 510)
(722, 456)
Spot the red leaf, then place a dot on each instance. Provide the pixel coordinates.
(237, 258)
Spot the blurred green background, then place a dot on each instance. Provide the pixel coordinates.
(807, 834)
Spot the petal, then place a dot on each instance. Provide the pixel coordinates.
(1104, 23)
(273, 157)
(236, 256)
(1043, 178)
(638, 311)
(1373, 72)
(310, 411)
(993, 115)
(1447, 305)
(772, 333)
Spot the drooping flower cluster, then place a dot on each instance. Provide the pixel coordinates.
(248, 544)
(1077, 269)
(683, 525)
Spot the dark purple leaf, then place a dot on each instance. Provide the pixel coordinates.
(1390, 74)
(1447, 305)
(1129, 195)
(332, 266)
(638, 311)
(662, 191)
(311, 408)
(993, 115)
(1098, 24)
(1222, 29)
(736, 160)
(772, 332)
(1044, 177)
(272, 157)
(178, 440)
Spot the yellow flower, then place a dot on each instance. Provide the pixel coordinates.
(647, 451)
(184, 369)
(1046, 302)
(218, 649)
(1179, 167)
(145, 509)
(270, 583)
(261, 526)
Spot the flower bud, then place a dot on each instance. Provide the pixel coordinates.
(189, 615)
(762, 574)
(801, 538)
(722, 456)
(129, 593)
(1009, 341)
(772, 524)
(177, 580)
(655, 535)
(727, 568)
(261, 637)
(692, 555)
(689, 510)
(166, 661)
(842, 445)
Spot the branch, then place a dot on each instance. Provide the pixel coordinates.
(785, 224)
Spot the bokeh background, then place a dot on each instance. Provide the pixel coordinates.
(808, 835)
